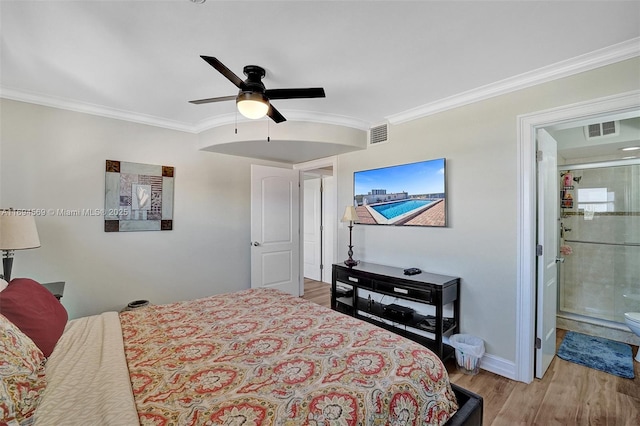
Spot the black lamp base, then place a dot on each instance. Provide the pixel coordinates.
(351, 263)
(7, 263)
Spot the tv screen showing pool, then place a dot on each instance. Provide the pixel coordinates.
(404, 195)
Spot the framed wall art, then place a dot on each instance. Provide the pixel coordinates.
(138, 197)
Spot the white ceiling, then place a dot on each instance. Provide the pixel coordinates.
(375, 59)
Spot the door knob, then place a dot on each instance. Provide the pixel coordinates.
(256, 244)
(559, 259)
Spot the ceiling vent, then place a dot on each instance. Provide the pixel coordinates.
(598, 130)
(378, 134)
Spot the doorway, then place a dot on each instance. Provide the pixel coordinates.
(318, 218)
(318, 223)
(624, 105)
(599, 233)
(312, 225)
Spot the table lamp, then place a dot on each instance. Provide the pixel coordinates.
(350, 216)
(17, 232)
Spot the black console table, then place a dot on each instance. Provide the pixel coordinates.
(434, 290)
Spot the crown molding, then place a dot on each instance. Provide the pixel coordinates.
(596, 59)
(221, 120)
(589, 61)
(87, 108)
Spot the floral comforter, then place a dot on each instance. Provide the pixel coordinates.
(262, 357)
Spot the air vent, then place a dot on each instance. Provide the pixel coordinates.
(594, 131)
(609, 128)
(598, 130)
(378, 134)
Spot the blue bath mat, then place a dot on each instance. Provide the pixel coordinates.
(595, 352)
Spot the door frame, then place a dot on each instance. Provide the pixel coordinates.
(317, 179)
(624, 103)
(307, 167)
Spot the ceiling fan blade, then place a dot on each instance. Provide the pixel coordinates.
(218, 99)
(275, 114)
(222, 69)
(312, 92)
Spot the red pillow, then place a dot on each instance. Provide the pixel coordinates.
(35, 311)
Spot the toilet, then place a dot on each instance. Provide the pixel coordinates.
(633, 322)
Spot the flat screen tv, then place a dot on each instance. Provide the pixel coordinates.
(404, 195)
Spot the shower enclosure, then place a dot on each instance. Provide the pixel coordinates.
(600, 242)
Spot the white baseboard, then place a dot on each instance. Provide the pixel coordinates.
(499, 366)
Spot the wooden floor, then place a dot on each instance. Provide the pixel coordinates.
(569, 394)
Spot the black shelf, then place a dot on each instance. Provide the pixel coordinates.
(444, 353)
(415, 320)
(425, 288)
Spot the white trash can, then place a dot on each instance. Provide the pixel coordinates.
(469, 351)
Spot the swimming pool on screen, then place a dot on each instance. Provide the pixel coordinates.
(397, 208)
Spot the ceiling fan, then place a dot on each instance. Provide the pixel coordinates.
(253, 100)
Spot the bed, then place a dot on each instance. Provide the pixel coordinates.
(254, 357)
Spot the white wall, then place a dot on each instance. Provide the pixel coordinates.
(55, 159)
(480, 243)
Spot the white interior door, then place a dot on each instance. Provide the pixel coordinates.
(312, 236)
(547, 270)
(275, 229)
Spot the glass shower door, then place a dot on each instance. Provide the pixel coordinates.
(600, 240)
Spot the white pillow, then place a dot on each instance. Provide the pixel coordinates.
(3, 284)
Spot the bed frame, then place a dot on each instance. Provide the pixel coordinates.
(470, 411)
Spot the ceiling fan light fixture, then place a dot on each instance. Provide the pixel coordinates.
(252, 105)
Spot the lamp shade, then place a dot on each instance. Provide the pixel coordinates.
(350, 214)
(252, 105)
(18, 230)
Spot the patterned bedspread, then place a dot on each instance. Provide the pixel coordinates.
(262, 357)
